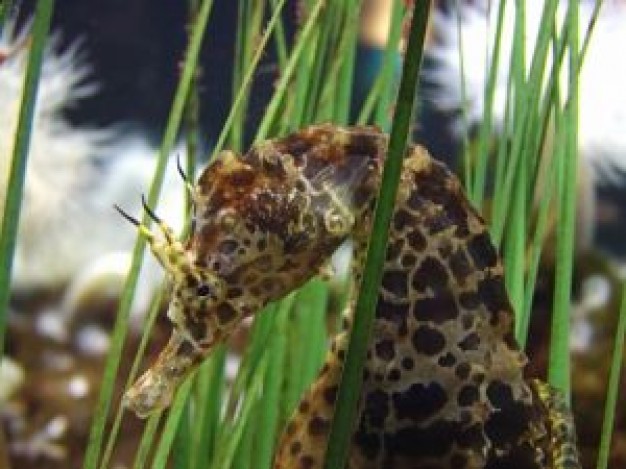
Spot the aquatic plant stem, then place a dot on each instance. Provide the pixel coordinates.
(349, 389)
(613, 387)
(17, 171)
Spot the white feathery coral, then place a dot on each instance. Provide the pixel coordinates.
(602, 131)
(69, 235)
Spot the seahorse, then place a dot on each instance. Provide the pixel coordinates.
(443, 383)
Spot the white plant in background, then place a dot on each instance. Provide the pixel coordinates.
(602, 95)
(70, 237)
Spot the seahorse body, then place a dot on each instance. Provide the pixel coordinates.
(443, 384)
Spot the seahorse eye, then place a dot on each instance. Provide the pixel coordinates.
(203, 290)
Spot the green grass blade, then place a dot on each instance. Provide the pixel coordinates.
(245, 83)
(143, 452)
(270, 411)
(477, 189)
(345, 411)
(17, 171)
(115, 427)
(559, 360)
(5, 11)
(171, 424)
(613, 387)
(121, 322)
(210, 385)
(387, 72)
(272, 109)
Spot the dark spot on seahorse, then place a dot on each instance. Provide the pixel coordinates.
(444, 248)
(408, 260)
(330, 394)
(471, 437)
(394, 249)
(467, 395)
(462, 370)
(295, 448)
(318, 426)
(467, 321)
(478, 377)
(368, 443)
(507, 425)
(482, 251)
(402, 218)
(448, 360)
(196, 329)
(363, 144)
(470, 342)
(493, 294)
(307, 462)
(408, 363)
(295, 145)
(291, 428)
(520, 455)
(499, 394)
(304, 406)
(385, 349)
(460, 266)
(416, 240)
(457, 212)
(376, 408)
(225, 313)
(419, 401)
(394, 375)
(437, 221)
(469, 300)
(186, 348)
(393, 312)
(428, 341)
(430, 273)
(418, 443)
(395, 282)
(228, 246)
(439, 309)
(234, 292)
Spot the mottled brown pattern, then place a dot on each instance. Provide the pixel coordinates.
(443, 385)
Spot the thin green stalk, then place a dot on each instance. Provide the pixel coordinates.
(174, 416)
(210, 385)
(383, 108)
(525, 118)
(134, 370)
(121, 323)
(384, 84)
(477, 190)
(149, 432)
(348, 52)
(467, 158)
(233, 433)
(17, 171)
(182, 447)
(272, 399)
(245, 83)
(273, 107)
(612, 392)
(279, 36)
(559, 361)
(349, 389)
(5, 11)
